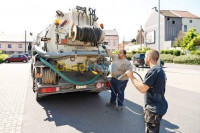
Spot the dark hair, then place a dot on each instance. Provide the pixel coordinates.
(124, 52)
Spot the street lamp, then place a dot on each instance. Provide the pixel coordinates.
(25, 39)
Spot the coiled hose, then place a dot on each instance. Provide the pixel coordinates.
(68, 79)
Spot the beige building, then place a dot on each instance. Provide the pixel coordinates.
(10, 44)
(111, 36)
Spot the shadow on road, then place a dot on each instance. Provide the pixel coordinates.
(87, 113)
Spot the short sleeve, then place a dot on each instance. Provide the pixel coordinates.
(114, 57)
(150, 78)
(129, 67)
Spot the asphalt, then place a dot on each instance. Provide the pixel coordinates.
(83, 112)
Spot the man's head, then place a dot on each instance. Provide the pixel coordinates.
(151, 57)
(122, 54)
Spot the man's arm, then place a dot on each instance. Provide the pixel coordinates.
(139, 85)
(107, 51)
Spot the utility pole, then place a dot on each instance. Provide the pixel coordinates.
(141, 36)
(25, 41)
(159, 30)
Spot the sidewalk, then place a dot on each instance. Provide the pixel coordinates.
(14, 82)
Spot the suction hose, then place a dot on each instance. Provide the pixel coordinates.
(68, 79)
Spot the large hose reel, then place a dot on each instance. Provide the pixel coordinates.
(87, 34)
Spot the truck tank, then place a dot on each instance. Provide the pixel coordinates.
(71, 44)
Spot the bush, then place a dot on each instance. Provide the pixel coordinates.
(129, 56)
(167, 58)
(176, 52)
(195, 52)
(115, 52)
(187, 59)
(172, 52)
(2, 56)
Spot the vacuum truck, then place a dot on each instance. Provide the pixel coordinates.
(68, 55)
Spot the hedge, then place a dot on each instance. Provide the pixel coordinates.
(167, 58)
(187, 59)
(195, 52)
(172, 52)
(129, 56)
(2, 56)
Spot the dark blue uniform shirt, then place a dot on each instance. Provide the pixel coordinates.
(154, 98)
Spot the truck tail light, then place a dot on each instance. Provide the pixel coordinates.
(107, 84)
(49, 89)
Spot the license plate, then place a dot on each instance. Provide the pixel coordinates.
(81, 87)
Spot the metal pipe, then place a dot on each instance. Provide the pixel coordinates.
(159, 30)
(25, 41)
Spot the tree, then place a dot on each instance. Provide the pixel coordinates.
(192, 44)
(178, 40)
(187, 40)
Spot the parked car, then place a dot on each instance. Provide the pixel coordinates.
(138, 60)
(16, 58)
(28, 56)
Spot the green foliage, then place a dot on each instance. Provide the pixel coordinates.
(182, 53)
(176, 52)
(2, 56)
(195, 52)
(167, 58)
(188, 42)
(187, 59)
(144, 50)
(179, 40)
(129, 56)
(172, 52)
(0, 51)
(115, 52)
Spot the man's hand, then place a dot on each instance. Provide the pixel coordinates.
(139, 85)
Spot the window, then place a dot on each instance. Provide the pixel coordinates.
(173, 22)
(0, 45)
(185, 28)
(19, 45)
(190, 21)
(114, 43)
(9, 45)
(168, 18)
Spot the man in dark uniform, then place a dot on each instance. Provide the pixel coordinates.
(153, 87)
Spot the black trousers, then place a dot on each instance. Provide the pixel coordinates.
(152, 122)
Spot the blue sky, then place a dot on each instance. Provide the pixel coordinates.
(125, 16)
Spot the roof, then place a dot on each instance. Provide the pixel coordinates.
(185, 14)
(179, 14)
(167, 13)
(111, 33)
(14, 38)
